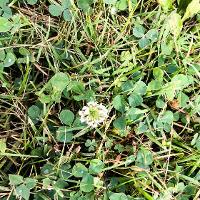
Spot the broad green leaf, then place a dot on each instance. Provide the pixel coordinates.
(34, 112)
(3, 2)
(175, 24)
(7, 12)
(45, 98)
(66, 4)
(84, 4)
(160, 103)
(46, 183)
(135, 113)
(9, 60)
(5, 25)
(87, 183)
(158, 74)
(167, 117)
(23, 191)
(152, 35)
(23, 51)
(144, 158)
(79, 170)
(119, 103)
(122, 4)
(140, 88)
(2, 146)
(142, 128)
(182, 81)
(138, 31)
(65, 171)
(66, 117)
(63, 135)
(32, 2)
(154, 85)
(135, 99)
(96, 166)
(30, 182)
(77, 87)
(112, 2)
(192, 9)
(67, 15)
(2, 55)
(182, 99)
(118, 196)
(60, 184)
(120, 123)
(15, 179)
(59, 81)
(47, 169)
(144, 42)
(55, 10)
(165, 4)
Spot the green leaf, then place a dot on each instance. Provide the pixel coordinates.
(63, 135)
(3, 3)
(30, 183)
(77, 87)
(59, 81)
(167, 117)
(144, 158)
(118, 196)
(23, 191)
(154, 85)
(5, 25)
(135, 99)
(140, 88)
(67, 15)
(2, 146)
(160, 103)
(120, 123)
(15, 179)
(138, 31)
(112, 2)
(175, 24)
(23, 51)
(158, 74)
(34, 112)
(7, 12)
(9, 60)
(47, 169)
(79, 170)
(2, 55)
(182, 81)
(135, 113)
(66, 117)
(32, 2)
(122, 4)
(144, 42)
(165, 4)
(66, 4)
(182, 99)
(46, 183)
(96, 166)
(84, 4)
(152, 35)
(192, 9)
(119, 103)
(55, 10)
(87, 183)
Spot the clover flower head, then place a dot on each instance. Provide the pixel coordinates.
(93, 114)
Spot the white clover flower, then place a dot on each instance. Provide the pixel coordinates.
(93, 114)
